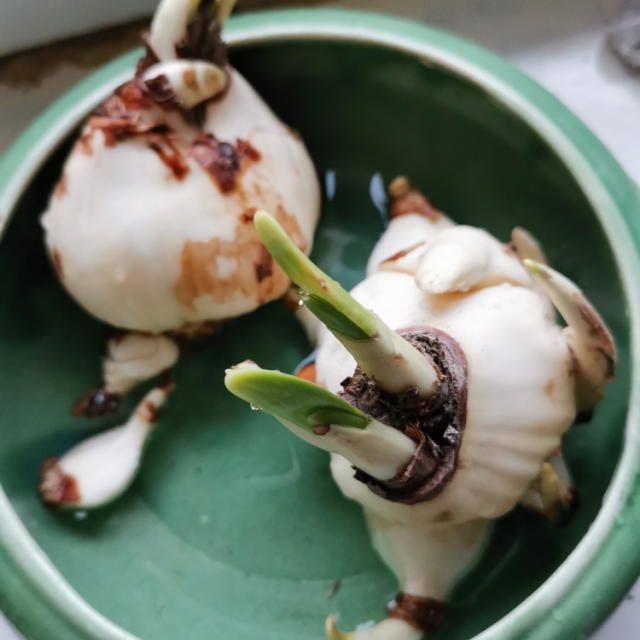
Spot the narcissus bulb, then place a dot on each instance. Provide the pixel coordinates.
(100, 469)
(456, 386)
(151, 226)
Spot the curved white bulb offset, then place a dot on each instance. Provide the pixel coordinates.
(100, 469)
(392, 253)
(134, 358)
(586, 333)
(412, 216)
(464, 258)
(193, 81)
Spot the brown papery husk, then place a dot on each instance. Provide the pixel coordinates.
(202, 42)
(97, 402)
(425, 614)
(436, 424)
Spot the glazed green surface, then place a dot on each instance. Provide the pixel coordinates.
(234, 528)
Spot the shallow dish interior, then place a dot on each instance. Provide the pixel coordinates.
(234, 528)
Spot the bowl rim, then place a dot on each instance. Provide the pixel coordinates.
(586, 587)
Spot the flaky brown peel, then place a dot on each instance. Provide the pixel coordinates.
(436, 424)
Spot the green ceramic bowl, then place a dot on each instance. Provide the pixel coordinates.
(234, 529)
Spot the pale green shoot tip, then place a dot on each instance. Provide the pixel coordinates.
(303, 403)
(323, 296)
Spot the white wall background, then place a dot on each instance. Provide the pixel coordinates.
(26, 23)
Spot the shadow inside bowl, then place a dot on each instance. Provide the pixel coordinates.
(234, 529)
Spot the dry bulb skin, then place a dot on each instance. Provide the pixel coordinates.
(151, 227)
(444, 387)
(100, 469)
